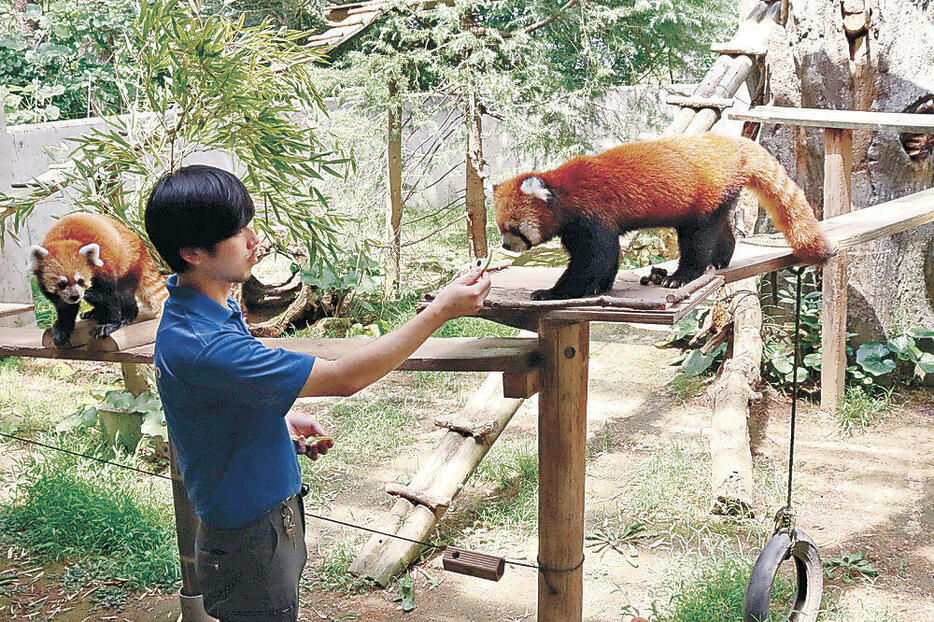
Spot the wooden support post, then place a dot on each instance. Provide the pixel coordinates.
(134, 378)
(475, 199)
(186, 525)
(394, 198)
(837, 170)
(562, 436)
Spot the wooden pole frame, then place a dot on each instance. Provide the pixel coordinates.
(562, 450)
(837, 181)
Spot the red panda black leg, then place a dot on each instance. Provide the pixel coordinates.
(698, 244)
(114, 306)
(64, 324)
(594, 251)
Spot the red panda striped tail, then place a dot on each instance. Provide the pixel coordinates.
(787, 206)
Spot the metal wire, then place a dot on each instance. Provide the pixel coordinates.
(794, 384)
(429, 544)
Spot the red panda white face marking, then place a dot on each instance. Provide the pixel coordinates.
(58, 280)
(523, 212)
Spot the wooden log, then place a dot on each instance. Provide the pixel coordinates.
(730, 457)
(700, 102)
(449, 465)
(562, 436)
(751, 31)
(476, 429)
(731, 49)
(837, 173)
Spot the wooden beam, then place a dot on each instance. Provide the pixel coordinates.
(562, 450)
(700, 102)
(837, 176)
(838, 119)
(522, 385)
(515, 355)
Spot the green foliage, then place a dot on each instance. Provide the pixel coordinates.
(406, 588)
(853, 566)
(536, 65)
(66, 67)
(861, 408)
(193, 82)
(64, 508)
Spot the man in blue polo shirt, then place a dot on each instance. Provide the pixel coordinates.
(227, 396)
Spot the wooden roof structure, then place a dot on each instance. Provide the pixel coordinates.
(348, 20)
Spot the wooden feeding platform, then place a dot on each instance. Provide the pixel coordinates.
(510, 303)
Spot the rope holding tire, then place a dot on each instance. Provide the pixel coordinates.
(787, 541)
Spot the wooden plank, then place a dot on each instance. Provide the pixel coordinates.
(562, 450)
(846, 231)
(700, 102)
(8, 309)
(513, 355)
(839, 119)
(731, 49)
(838, 148)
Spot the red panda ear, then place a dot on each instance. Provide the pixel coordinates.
(93, 254)
(38, 253)
(536, 187)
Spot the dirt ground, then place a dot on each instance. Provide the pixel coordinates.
(872, 492)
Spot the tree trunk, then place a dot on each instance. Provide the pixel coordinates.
(394, 197)
(26, 26)
(476, 201)
(826, 60)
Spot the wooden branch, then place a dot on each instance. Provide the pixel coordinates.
(536, 26)
(731, 459)
(420, 497)
(476, 429)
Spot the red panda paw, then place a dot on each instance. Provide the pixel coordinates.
(543, 294)
(655, 277)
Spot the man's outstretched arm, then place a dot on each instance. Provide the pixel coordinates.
(363, 367)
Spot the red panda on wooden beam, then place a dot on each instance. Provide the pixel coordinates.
(690, 183)
(96, 258)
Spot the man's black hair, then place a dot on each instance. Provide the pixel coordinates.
(195, 207)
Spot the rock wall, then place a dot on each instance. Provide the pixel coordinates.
(815, 63)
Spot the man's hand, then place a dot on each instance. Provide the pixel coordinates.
(464, 295)
(304, 428)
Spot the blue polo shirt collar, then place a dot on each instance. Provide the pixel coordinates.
(201, 304)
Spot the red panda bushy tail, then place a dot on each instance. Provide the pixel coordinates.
(151, 293)
(787, 206)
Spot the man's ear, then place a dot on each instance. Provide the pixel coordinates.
(193, 256)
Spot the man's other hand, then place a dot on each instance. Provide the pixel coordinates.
(308, 435)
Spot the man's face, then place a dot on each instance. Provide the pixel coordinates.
(233, 258)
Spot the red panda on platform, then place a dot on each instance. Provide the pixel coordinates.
(98, 259)
(690, 183)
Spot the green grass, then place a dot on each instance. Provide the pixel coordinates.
(684, 388)
(366, 430)
(511, 470)
(66, 507)
(861, 409)
(332, 572)
(32, 393)
(713, 588)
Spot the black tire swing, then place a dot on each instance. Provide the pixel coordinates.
(787, 541)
